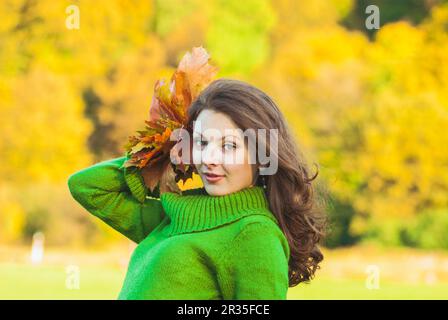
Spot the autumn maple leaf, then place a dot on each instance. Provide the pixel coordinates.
(150, 150)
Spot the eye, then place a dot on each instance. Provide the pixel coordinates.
(230, 146)
(198, 142)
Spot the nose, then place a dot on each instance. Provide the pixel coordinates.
(211, 155)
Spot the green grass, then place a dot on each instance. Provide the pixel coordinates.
(49, 282)
(20, 281)
(322, 288)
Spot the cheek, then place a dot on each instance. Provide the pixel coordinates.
(238, 166)
(239, 172)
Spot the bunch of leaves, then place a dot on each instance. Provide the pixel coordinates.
(150, 150)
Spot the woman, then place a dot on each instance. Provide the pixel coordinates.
(245, 235)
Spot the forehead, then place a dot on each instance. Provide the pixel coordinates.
(209, 123)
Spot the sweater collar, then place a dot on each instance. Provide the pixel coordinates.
(196, 210)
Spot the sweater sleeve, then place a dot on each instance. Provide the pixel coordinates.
(255, 264)
(118, 197)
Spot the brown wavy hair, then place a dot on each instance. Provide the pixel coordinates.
(290, 191)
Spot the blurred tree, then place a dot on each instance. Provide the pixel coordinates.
(413, 11)
(40, 141)
(401, 162)
(235, 33)
(317, 75)
(238, 34)
(119, 103)
(370, 112)
(180, 25)
(12, 221)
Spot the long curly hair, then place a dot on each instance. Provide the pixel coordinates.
(290, 191)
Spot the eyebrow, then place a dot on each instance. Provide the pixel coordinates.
(199, 133)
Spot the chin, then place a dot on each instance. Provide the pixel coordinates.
(215, 190)
(221, 190)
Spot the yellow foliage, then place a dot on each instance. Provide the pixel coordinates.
(12, 220)
(372, 113)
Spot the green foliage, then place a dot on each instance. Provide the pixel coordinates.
(340, 217)
(427, 230)
(374, 113)
(413, 11)
(238, 36)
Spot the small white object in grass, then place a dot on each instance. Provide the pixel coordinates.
(37, 248)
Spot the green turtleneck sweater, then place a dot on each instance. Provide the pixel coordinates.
(190, 246)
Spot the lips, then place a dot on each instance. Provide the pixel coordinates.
(213, 174)
(211, 177)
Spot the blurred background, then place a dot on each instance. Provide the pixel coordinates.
(369, 105)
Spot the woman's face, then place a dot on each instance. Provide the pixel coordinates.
(219, 149)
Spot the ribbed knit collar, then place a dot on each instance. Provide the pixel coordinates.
(195, 210)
